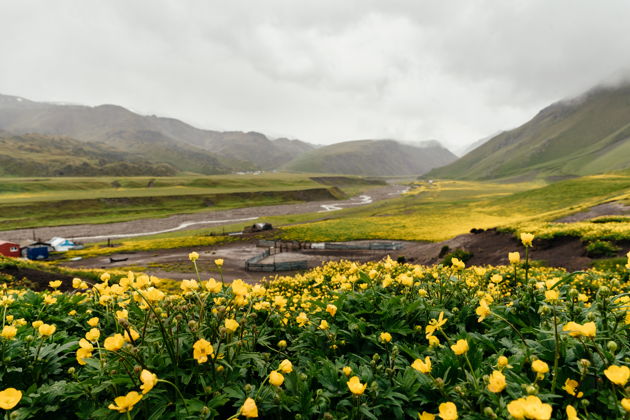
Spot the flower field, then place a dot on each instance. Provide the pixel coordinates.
(340, 341)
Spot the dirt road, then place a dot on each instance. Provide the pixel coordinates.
(143, 227)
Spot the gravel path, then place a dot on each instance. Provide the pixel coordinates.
(100, 232)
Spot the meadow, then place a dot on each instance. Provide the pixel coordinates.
(32, 202)
(343, 341)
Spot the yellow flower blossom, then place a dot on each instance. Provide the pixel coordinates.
(201, 350)
(571, 413)
(448, 411)
(618, 374)
(286, 366)
(576, 330)
(276, 378)
(231, 325)
(347, 370)
(93, 322)
(54, 284)
(527, 239)
(193, 256)
(355, 386)
(385, 337)
(514, 257)
(93, 334)
(249, 409)
(570, 387)
(323, 325)
(424, 367)
(331, 309)
(125, 403)
(213, 286)
(46, 330)
(9, 398)
(460, 347)
(8, 332)
(114, 343)
(149, 380)
(302, 319)
(496, 382)
(530, 407)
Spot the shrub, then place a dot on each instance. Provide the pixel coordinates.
(460, 254)
(600, 249)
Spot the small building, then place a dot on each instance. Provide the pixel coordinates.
(63, 244)
(36, 251)
(10, 249)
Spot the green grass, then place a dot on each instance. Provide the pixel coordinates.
(450, 208)
(31, 202)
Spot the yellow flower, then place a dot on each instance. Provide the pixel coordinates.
(503, 362)
(514, 257)
(570, 386)
(149, 380)
(301, 319)
(46, 330)
(540, 367)
(355, 386)
(93, 322)
(249, 408)
(457, 264)
(9, 398)
(576, 330)
(154, 294)
(93, 334)
(134, 335)
(625, 403)
(50, 300)
(497, 382)
(213, 286)
(231, 325)
(323, 325)
(193, 256)
(618, 374)
(201, 350)
(105, 277)
(347, 370)
(448, 411)
(530, 407)
(572, 413)
(551, 295)
(433, 341)
(219, 262)
(114, 343)
(239, 287)
(126, 402)
(435, 324)
(54, 284)
(460, 347)
(8, 332)
(385, 337)
(37, 324)
(426, 416)
(527, 238)
(282, 344)
(122, 315)
(424, 367)
(331, 309)
(189, 285)
(483, 310)
(276, 378)
(286, 366)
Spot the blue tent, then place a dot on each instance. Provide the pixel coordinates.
(37, 252)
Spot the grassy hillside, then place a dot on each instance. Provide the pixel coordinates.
(36, 155)
(586, 135)
(444, 209)
(371, 157)
(158, 139)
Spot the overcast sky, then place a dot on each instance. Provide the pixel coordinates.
(320, 71)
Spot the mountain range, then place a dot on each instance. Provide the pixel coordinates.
(78, 140)
(585, 135)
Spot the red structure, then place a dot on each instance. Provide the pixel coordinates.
(9, 249)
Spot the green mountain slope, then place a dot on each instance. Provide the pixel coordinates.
(159, 139)
(371, 157)
(586, 135)
(37, 155)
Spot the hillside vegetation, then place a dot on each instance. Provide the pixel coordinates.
(165, 140)
(582, 136)
(372, 157)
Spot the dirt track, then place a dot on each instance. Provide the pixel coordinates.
(100, 232)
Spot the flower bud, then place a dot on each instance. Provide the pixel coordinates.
(71, 370)
(531, 389)
(137, 369)
(604, 291)
(591, 316)
(247, 388)
(612, 346)
(303, 376)
(489, 412)
(573, 293)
